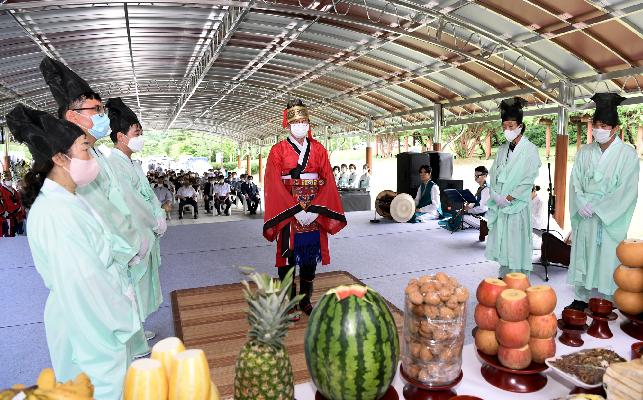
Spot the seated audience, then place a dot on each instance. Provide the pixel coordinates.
(208, 194)
(164, 196)
(222, 195)
(251, 191)
(353, 180)
(365, 179)
(343, 177)
(187, 195)
(336, 174)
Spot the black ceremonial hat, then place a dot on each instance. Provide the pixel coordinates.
(121, 117)
(65, 85)
(511, 109)
(606, 107)
(44, 134)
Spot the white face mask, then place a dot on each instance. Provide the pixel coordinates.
(511, 135)
(299, 130)
(8, 183)
(602, 136)
(136, 144)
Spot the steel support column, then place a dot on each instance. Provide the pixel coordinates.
(437, 127)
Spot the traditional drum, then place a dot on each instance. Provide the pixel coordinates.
(399, 207)
(402, 207)
(383, 203)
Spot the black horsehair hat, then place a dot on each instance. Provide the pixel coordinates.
(607, 108)
(65, 85)
(44, 134)
(511, 109)
(121, 117)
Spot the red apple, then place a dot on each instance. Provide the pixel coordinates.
(486, 341)
(486, 317)
(512, 305)
(512, 334)
(514, 358)
(542, 349)
(542, 299)
(489, 290)
(516, 280)
(543, 326)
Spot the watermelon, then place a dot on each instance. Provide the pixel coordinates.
(351, 344)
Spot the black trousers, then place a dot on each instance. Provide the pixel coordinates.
(253, 203)
(184, 202)
(218, 202)
(306, 278)
(206, 200)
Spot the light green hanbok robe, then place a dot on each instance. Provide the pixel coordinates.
(145, 211)
(512, 173)
(90, 323)
(106, 198)
(609, 182)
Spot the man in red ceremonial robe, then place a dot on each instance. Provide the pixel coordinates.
(12, 213)
(302, 202)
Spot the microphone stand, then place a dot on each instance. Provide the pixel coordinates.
(551, 202)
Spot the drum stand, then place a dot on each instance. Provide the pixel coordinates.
(375, 220)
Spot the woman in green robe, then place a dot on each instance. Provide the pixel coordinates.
(91, 322)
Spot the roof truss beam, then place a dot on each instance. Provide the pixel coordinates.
(217, 41)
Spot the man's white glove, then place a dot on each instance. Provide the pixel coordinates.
(5, 214)
(586, 211)
(310, 218)
(161, 226)
(302, 217)
(501, 201)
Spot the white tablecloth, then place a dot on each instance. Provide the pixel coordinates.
(474, 384)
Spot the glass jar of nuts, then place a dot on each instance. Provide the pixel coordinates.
(434, 321)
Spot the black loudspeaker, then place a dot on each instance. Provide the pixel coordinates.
(408, 165)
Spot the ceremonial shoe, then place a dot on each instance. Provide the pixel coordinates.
(180, 217)
(578, 305)
(147, 353)
(196, 216)
(149, 335)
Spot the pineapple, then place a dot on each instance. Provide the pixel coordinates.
(263, 370)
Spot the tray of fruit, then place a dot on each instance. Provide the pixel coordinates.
(584, 368)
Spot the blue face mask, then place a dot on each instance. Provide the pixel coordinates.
(101, 126)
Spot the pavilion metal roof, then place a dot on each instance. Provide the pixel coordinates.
(228, 67)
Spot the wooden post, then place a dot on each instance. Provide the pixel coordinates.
(260, 167)
(369, 157)
(639, 140)
(6, 167)
(377, 145)
(547, 122)
(487, 144)
(406, 143)
(248, 169)
(437, 147)
(560, 178)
